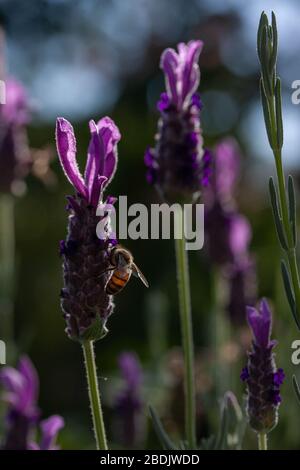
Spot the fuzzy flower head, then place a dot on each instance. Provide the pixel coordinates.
(20, 393)
(85, 303)
(178, 165)
(261, 375)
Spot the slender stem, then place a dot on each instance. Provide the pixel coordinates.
(262, 441)
(94, 395)
(291, 252)
(7, 263)
(187, 340)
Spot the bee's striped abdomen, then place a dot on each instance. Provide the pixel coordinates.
(117, 282)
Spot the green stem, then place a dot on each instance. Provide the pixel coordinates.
(262, 441)
(94, 395)
(187, 340)
(291, 252)
(7, 263)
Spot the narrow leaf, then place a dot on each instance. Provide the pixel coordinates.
(279, 124)
(266, 113)
(160, 432)
(262, 23)
(296, 387)
(276, 214)
(292, 208)
(289, 292)
(275, 42)
(265, 51)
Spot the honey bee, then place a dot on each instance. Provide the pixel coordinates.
(122, 266)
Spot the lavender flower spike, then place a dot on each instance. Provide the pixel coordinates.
(21, 387)
(262, 377)
(178, 165)
(85, 304)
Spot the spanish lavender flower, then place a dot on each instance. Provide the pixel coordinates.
(21, 387)
(178, 165)
(85, 304)
(128, 405)
(15, 159)
(228, 233)
(261, 375)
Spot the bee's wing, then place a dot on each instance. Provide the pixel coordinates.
(138, 273)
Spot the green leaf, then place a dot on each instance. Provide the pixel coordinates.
(292, 208)
(279, 124)
(160, 432)
(277, 217)
(275, 42)
(266, 112)
(265, 69)
(262, 23)
(296, 387)
(289, 292)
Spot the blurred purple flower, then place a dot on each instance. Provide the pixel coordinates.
(21, 388)
(49, 430)
(128, 403)
(262, 377)
(85, 303)
(228, 233)
(15, 158)
(178, 165)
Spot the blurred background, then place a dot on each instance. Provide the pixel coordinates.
(84, 59)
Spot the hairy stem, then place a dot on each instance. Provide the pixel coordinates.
(262, 441)
(94, 395)
(187, 340)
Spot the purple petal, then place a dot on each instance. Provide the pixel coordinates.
(261, 323)
(98, 187)
(31, 382)
(95, 160)
(191, 72)
(169, 63)
(110, 135)
(11, 379)
(50, 428)
(66, 148)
